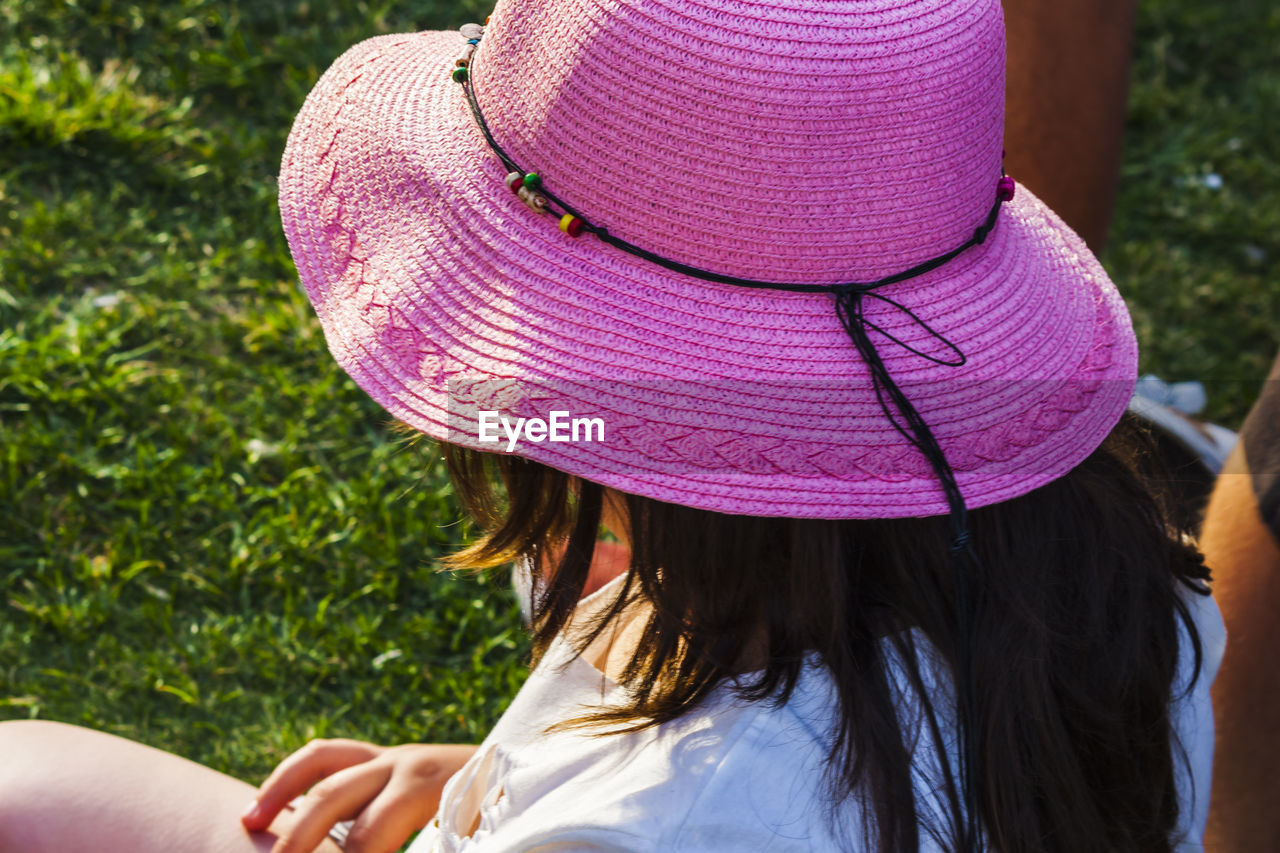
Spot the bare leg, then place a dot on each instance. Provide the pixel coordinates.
(64, 788)
(1068, 85)
(1245, 560)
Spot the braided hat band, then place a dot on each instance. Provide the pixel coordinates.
(814, 148)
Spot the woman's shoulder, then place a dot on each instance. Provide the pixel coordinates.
(768, 789)
(729, 775)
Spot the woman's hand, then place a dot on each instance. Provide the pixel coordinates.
(390, 791)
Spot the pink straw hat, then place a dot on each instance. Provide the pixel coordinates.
(789, 143)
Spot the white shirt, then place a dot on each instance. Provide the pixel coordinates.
(730, 776)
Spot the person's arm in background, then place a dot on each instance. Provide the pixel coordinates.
(1068, 70)
(1241, 543)
(1068, 86)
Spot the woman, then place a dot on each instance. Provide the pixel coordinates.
(749, 286)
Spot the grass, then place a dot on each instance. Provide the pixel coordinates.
(209, 539)
(1197, 229)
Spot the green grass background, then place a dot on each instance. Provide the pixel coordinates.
(209, 540)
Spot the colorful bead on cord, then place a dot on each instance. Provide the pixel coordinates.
(535, 201)
(525, 185)
(571, 225)
(522, 185)
(472, 33)
(1005, 188)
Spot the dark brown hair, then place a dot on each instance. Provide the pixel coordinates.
(1074, 639)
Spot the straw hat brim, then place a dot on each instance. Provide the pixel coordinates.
(441, 294)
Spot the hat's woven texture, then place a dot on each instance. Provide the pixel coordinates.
(791, 142)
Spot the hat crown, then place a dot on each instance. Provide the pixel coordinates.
(815, 143)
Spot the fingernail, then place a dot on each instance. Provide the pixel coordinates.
(250, 811)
